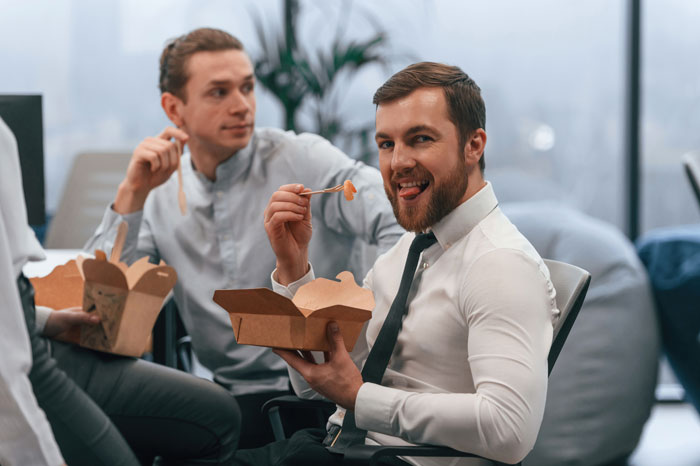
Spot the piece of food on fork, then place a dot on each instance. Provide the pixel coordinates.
(348, 189)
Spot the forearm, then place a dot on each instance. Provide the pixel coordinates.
(129, 200)
(493, 425)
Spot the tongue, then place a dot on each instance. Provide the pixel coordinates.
(409, 192)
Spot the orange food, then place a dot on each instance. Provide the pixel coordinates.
(349, 190)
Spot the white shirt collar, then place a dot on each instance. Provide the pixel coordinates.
(465, 217)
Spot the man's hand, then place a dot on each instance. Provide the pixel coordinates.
(337, 379)
(61, 322)
(152, 163)
(288, 227)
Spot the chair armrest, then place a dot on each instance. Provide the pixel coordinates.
(271, 409)
(371, 454)
(293, 402)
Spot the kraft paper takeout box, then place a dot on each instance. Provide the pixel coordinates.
(262, 317)
(128, 299)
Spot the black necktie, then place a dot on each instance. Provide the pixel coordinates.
(377, 360)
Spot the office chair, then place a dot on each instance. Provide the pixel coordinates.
(90, 188)
(571, 284)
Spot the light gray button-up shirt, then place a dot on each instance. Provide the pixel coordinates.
(221, 242)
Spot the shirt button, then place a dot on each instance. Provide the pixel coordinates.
(219, 194)
(227, 237)
(425, 265)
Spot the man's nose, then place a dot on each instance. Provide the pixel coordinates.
(401, 158)
(238, 104)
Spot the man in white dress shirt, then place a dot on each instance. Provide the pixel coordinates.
(468, 369)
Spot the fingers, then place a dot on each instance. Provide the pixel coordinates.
(161, 154)
(294, 360)
(335, 338)
(76, 316)
(174, 133)
(286, 205)
(308, 355)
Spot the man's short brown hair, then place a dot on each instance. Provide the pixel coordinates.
(465, 106)
(177, 52)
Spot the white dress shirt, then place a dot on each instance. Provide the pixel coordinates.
(25, 434)
(221, 242)
(469, 369)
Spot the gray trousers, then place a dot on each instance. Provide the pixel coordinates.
(112, 410)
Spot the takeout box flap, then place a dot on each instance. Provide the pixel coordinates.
(104, 272)
(157, 281)
(255, 301)
(61, 289)
(323, 293)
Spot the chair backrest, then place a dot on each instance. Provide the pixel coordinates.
(91, 187)
(571, 284)
(691, 162)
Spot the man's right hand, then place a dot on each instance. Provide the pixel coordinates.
(288, 227)
(152, 163)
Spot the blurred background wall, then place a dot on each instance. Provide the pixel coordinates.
(551, 71)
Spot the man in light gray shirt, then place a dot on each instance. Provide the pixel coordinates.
(229, 173)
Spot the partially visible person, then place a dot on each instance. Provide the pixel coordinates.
(102, 409)
(25, 434)
(455, 353)
(229, 172)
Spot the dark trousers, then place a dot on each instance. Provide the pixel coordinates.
(304, 448)
(112, 410)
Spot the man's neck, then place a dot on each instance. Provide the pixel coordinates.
(205, 161)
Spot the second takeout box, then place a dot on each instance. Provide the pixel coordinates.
(262, 317)
(127, 299)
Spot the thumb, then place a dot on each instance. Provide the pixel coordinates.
(80, 317)
(335, 338)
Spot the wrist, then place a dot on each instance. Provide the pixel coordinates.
(128, 199)
(289, 272)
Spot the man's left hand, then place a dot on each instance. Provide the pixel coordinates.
(337, 378)
(60, 322)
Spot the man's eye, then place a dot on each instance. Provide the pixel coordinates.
(248, 88)
(218, 92)
(385, 145)
(423, 138)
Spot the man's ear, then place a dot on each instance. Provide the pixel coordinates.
(474, 147)
(172, 105)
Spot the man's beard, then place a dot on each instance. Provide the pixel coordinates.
(445, 197)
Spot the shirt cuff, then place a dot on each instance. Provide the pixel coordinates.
(290, 290)
(374, 407)
(42, 315)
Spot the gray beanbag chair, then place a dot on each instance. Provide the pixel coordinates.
(602, 388)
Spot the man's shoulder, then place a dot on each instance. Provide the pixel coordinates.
(497, 238)
(277, 137)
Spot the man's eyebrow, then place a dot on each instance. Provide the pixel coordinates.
(381, 136)
(419, 129)
(227, 82)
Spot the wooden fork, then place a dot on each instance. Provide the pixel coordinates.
(334, 189)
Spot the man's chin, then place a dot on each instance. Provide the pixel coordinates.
(412, 219)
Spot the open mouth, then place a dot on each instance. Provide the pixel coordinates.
(412, 189)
